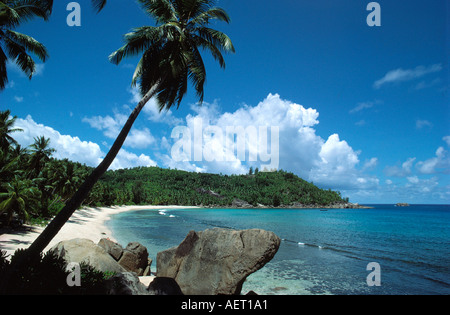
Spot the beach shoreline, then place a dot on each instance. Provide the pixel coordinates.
(88, 223)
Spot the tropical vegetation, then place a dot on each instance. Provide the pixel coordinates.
(34, 186)
(170, 58)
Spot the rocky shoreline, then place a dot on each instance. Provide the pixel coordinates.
(211, 262)
(238, 203)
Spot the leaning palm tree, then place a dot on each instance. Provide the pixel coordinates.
(170, 58)
(16, 46)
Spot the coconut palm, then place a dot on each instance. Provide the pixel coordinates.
(6, 127)
(40, 154)
(15, 199)
(16, 46)
(170, 58)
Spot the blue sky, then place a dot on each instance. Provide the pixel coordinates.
(364, 110)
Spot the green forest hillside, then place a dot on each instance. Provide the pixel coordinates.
(34, 186)
(153, 185)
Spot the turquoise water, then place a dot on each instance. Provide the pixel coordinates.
(322, 252)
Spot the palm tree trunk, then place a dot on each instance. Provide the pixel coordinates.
(75, 202)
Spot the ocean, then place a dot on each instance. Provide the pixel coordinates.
(323, 251)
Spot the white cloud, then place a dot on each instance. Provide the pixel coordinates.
(18, 99)
(152, 112)
(111, 126)
(423, 123)
(447, 140)
(139, 138)
(361, 106)
(370, 164)
(73, 148)
(39, 69)
(127, 159)
(402, 171)
(439, 163)
(413, 179)
(331, 163)
(400, 75)
(66, 146)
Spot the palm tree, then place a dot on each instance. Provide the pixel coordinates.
(170, 58)
(6, 127)
(40, 154)
(17, 46)
(17, 196)
(65, 178)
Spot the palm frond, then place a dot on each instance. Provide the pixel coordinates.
(211, 14)
(15, 12)
(3, 72)
(162, 11)
(217, 38)
(29, 44)
(136, 42)
(98, 4)
(171, 57)
(18, 53)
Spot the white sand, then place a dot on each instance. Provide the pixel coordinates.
(85, 223)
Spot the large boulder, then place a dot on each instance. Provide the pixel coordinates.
(217, 261)
(84, 250)
(164, 286)
(114, 249)
(125, 283)
(135, 258)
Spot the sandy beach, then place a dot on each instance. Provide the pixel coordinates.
(85, 223)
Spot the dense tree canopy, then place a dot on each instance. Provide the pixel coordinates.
(35, 185)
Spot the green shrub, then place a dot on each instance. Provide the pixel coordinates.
(46, 275)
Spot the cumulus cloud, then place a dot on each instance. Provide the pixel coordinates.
(127, 159)
(438, 164)
(274, 130)
(331, 163)
(66, 146)
(400, 75)
(152, 112)
(111, 126)
(73, 148)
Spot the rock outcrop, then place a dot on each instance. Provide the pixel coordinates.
(164, 286)
(217, 261)
(86, 251)
(125, 283)
(133, 258)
